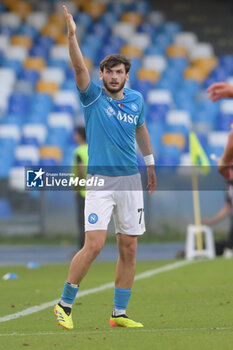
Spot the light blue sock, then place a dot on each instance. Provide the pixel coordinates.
(121, 299)
(69, 293)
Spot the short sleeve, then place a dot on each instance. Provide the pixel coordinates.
(90, 95)
(141, 118)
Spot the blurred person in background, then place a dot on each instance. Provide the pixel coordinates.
(114, 118)
(80, 169)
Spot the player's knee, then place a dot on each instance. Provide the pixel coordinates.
(129, 253)
(94, 248)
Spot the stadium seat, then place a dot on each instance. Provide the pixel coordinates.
(51, 152)
(5, 209)
(37, 19)
(10, 19)
(124, 30)
(159, 97)
(4, 42)
(60, 52)
(17, 52)
(186, 39)
(27, 152)
(179, 117)
(176, 51)
(37, 131)
(57, 120)
(131, 51)
(10, 132)
(48, 87)
(14, 64)
(217, 138)
(35, 63)
(224, 121)
(21, 40)
(226, 106)
(141, 40)
(174, 139)
(22, 8)
(18, 103)
(132, 17)
(148, 74)
(169, 157)
(94, 9)
(53, 74)
(17, 178)
(195, 73)
(156, 17)
(201, 50)
(53, 30)
(63, 97)
(156, 62)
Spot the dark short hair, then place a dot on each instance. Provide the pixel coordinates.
(113, 60)
(81, 131)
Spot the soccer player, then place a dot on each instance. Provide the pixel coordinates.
(114, 117)
(216, 92)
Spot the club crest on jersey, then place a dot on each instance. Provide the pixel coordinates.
(134, 107)
(110, 111)
(120, 105)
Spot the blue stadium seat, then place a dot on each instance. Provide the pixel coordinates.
(115, 41)
(39, 51)
(171, 28)
(108, 19)
(224, 121)
(142, 7)
(147, 27)
(29, 141)
(226, 62)
(179, 63)
(30, 75)
(64, 108)
(220, 73)
(156, 113)
(15, 65)
(143, 86)
(169, 157)
(44, 41)
(18, 103)
(83, 19)
(5, 209)
(17, 119)
(155, 50)
(41, 103)
(69, 84)
(59, 63)
(117, 7)
(27, 29)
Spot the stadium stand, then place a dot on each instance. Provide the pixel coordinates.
(39, 107)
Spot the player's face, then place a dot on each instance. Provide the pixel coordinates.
(114, 78)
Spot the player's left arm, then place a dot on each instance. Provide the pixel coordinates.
(143, 141)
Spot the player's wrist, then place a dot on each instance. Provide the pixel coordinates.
(149, 160)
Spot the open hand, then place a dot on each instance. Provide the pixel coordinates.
(71, 26)
(151, 179)
(220, 90)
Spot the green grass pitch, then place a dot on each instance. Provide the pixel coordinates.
(190, 307)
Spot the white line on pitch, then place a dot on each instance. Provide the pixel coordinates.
(146, 274)
(119, 330)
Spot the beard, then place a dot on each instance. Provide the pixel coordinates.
(112, 90)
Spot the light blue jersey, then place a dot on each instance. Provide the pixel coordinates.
(110, 130)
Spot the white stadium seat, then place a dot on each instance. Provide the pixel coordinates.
(7, 77)
(140, 40)
(4, 42)
(218, 138)
(179, 117)
(16, 52)
(38, 131)
(186, 39)
(159, 97)
(58, 119)
(37, 19)
(156, 62)
(60, 52)
(17, 178)
(226, 106)
(27, 152)
(10, 19)
(10, 131)
(156, 17)
(67, 97)
(201, 50)
(124, 30)
(56, 75)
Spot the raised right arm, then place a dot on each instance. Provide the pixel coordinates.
(82, 76)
